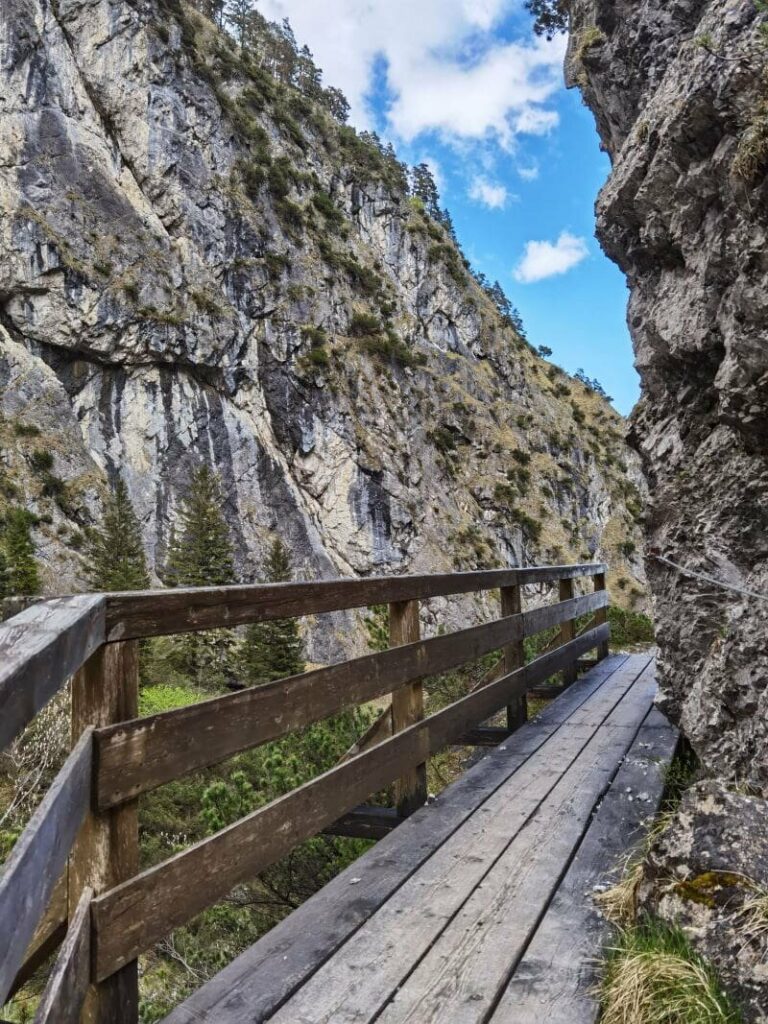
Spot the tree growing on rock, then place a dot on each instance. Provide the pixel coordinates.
(115, 558)
(273, 650)
(23, 576)
(201, 555)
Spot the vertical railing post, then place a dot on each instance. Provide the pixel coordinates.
(106, 851)
(601, 616)
(514, 657)
(567, 630)
(407, 705)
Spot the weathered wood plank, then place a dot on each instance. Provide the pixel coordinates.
(140, 755)
(155, 612)
(67, 986)
(359, 981)
(601, 615)
(40, 648)
(38, 858)
(567, 629)
(483, 736)
(514, 657)
(407, 706)
(262, 978)
(106, 850)
(460, 976)
(556, 980)
(366, 823)
(132, 916)
(49, 935)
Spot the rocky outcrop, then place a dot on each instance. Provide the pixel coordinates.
(198, 263)
(708, 873)
(680, 94)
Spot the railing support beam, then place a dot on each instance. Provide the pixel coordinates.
(514, 657)
(601, 615)
(407, 706)
(567, 630)
(106, 852)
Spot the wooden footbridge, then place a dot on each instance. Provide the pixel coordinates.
(472, 907)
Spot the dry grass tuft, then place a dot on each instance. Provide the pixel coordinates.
(653, 976)
(619, 903)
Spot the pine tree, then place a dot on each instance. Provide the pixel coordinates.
(200, 553)
(551, 16)
(23, 576)
(273, 650)
(115, 558)
(424, 188)
(238, 13)
(5, 576)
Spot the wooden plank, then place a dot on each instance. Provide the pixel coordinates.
(49, 935)
(380, 729)
(601, 615)
(357, 983)
(366, 823)
(567, 629)
(483, 736)
(407, 706)
(37, 860)
(514, 657)
(137, 756)
(263, 977)
(39, 650)
(106, 851)
(461, 975)
(158, 612)
(129, 918)
(67, 986)
(556, 980)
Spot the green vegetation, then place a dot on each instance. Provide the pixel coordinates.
(21, 575)
(628, 627)
(115, 558)
(273, 650)
(654, 976)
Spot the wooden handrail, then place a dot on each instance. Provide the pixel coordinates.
(139, 755)
(38, 858)
(89, 813)
(40, 648)
(137, 614)
(131, 917)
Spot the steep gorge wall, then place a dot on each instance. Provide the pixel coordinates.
(188, 255)
(679, 89)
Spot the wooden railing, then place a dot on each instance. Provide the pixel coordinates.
(73, 874)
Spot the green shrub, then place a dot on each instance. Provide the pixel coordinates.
(21, 429)
(323, 203)
(41, 460)
(364, 325)
(628, 627)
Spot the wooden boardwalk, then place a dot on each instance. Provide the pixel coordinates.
(478, 908)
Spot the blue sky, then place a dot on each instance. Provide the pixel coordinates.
(465, 85)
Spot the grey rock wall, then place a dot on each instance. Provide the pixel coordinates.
(680, 95)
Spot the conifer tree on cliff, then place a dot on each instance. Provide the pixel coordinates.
(115, 558)
(22, 572)
(274, 649)
(200, 555)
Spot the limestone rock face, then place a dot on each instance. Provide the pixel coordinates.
(679, 93)
(708, 873)
(188, 254)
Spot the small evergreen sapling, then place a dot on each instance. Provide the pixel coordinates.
(201, 555)
(115, 558)
(23, 576)
(273, 650)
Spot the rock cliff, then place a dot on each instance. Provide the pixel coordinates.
(680, 94)
(199, 262)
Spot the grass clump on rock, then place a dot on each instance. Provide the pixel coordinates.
(653, 976)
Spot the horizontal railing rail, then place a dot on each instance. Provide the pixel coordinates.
(76, 863)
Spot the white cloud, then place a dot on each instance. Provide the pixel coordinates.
(446, 71)
(529, 173)
(492, 195)
(547, 259)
